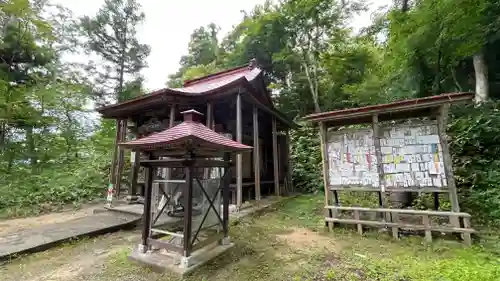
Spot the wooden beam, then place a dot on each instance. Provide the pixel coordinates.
(239, 157)
(275, 158)
(256, 152)
(448, 164)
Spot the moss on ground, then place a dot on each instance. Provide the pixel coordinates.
(290, 243)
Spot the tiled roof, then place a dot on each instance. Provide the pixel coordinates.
(175, 137)
(215, 81)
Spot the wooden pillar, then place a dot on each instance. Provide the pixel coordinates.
(275, 158)
(256, 152)
(225, 195)
(239, 156)
(188, 211)
(135, 158)
(289, 170)
(146, 217)
(115, 154)
(134, 175)
(378, 154)
(168, 174)
(447, 162)
(324, 158)
(121, 156)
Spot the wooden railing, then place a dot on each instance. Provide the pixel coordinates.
(391, 218)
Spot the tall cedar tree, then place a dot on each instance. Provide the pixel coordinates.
(111, 34)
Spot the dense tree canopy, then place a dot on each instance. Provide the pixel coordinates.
(312, 59)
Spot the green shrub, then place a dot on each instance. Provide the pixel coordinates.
(23, 192)
(475, 149)
(306, 159)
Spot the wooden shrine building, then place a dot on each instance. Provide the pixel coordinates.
(396, 150)
(235, 103)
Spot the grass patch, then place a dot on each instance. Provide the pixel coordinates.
(290, 243)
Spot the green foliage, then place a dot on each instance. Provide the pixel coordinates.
(49, 154)
(112, 35)
(306, 159)
(475, 145)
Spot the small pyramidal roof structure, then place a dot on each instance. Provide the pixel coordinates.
(191, 130)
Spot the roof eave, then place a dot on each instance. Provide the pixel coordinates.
(404, 105)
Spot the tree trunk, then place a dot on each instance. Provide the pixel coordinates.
(31, 149)
(481, 72)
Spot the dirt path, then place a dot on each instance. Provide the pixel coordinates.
(14, 225)
(78, 261)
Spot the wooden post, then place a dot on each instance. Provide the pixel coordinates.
(225, 196)
(168, 174)
(275, 158)
(146, 217)
(448, 164)
(289, 163)
(380, 167)
(119, 164)
(188, 212)
(210, 118)
(448, 168)
(326, 181)
(239, 156)
(427, 225)
(256, 152)
(134, 158)
(115, 153)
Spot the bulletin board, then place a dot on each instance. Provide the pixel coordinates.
(352, 159)
(411, 157)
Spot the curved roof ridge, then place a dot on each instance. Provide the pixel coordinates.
(215, 75)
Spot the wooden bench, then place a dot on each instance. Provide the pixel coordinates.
(391, 218)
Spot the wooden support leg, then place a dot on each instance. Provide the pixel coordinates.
(360, 226)
(146, 218)
(428, 233)
(395, 229)
(467, 236)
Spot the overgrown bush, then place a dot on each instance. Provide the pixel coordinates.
(24, 193)
(306, 157)
(475, 148)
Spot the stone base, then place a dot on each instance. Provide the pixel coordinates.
(176, 263)
(131, 199)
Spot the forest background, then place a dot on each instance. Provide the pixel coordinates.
(53, 152)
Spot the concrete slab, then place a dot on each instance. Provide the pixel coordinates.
(45, 236)
(161, 262)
